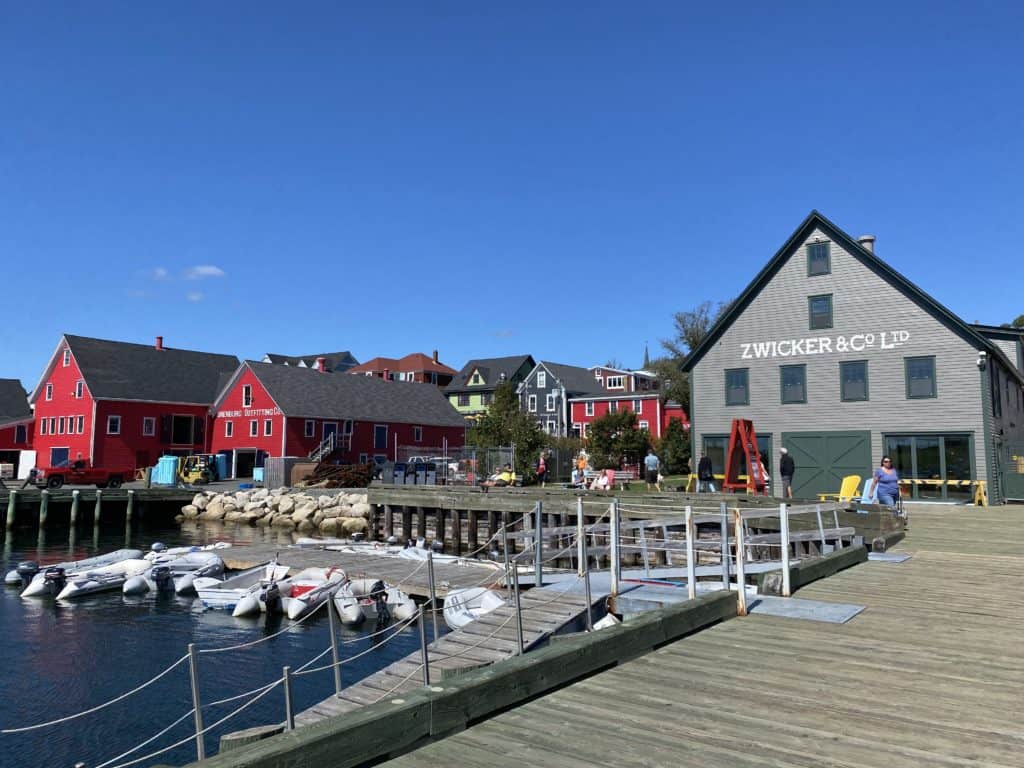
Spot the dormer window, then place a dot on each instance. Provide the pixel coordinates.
(818, 261)
(477, 379)
(67, 358)
(247, 396)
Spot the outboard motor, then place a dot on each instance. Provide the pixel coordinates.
(272, 600)
(27, 569)
(55, 579)
(161, 576)
(157, 546)
(358, 536)
(410, 544)
(379, 595)
(392, 540)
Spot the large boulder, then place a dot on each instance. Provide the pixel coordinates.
(190, 511)
(215, 513)
(329, 526)
(283, 521)
(242, 498)
(254, 506)
(250, 517)
(305, 512)
(286, 505)
(362, 509)
(215, 506)
(324, 502)
(353, 525)
(232, 517)
(266, 520)
(259, 494)
(332, 512)
(200, 501)
(305, 526)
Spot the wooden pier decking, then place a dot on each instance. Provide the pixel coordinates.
(545, 611)
(931, 673)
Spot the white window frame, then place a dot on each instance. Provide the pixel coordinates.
(42, 427)
(417, 434)
(583, 431)
(531, 403)
(150, 422)
(49, 391)
(254, 427)
(577, 427)
(61, 423)
(268, 427)
(20, 434)
(67, 358)
(550, 402)
(363, 458)
(638, 406)
(552, 427)
(81, 425)
(229, 429)
(247, 395)
(644, 425)
(310, 430)
(53, 425)
(347, 426)
(542, 380)
(79, 388)
(588, 409)
(110, 424)
(613, 406)
(608, 384)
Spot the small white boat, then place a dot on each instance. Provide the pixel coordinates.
(349, 609)
(462, 606)
(227, 593)
(34, 581)
(101, 579)
(309, 589)
(175, 572)
(266, 596)
(371, 592)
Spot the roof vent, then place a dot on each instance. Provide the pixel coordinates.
(160, 343)
(435, 356)
(867, 242)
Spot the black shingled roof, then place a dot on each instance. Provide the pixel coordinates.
(118, 370)
(576, 380)
(339, 362)
(491, 369)
(303, 392)
(13, 402)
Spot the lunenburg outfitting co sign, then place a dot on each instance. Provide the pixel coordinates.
(823, 345)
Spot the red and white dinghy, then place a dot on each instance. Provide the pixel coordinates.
(309, 588)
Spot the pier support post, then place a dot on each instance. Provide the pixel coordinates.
(616, 559)
(421, 523)
(75, 495)
(130, 507)
(505, 552)
(423, 647)
(456, 532)
(538, 546)
(584, 565)
(472, 535)
(389, 522)
(519, 609)
(12, 505)
(332, 619)
(724, 535)
(44, 507)
(98, 510)
(691, 564)
(439, 525)
(784, 542)
(193, 672)
(406, 524)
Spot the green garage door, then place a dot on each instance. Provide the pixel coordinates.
(823, 459)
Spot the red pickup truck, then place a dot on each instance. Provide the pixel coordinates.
(79, 473)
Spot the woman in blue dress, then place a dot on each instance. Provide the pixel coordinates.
(887, 482)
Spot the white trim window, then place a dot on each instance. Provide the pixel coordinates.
(229, 429)
(310, 428)
(67, 358)
(268, 427)
(81, 425)
(577, 427)
(42, 427)
(60, 425)
(550, 404)
(588, 409)
(49, 391)
(247, 395)
(417, 434)
(552, 427)
(113, 425)
(583, 431)
(615, 382)
(79, 389)
(638, 406)
(346, 427)
(363, 458)
(531, 403)
(53, 425)
(613, 406)
(542, 380)
(148, 426)
(644, 425)
(254, 428)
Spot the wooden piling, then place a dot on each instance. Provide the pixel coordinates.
(421, 523)
(130, 507)
(98, 509)
(44, 507)
(456, 532)
(406, 523)
(75, 494)
(12, 504)
(472, 537)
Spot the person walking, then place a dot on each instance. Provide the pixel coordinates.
(652, 465)
(787, 468)
(887, 481)
(705, 475)
(542, 470)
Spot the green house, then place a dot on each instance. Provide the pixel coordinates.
(472, 390)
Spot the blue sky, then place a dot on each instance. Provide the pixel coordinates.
(486, 179)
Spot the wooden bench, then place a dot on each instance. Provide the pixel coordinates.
(623, 477)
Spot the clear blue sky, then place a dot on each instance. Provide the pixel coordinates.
(484, 178)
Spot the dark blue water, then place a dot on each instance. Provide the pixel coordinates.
(60, 659)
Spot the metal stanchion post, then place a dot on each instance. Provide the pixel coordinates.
(333, 621)
(586, 588)
(423, 648)
(508, 561)
(691, 565)
(616, 564)
(784, 541)
(581, 544)
(193, 671)
(724, 533)
(289, 713)
(741, 577)
(519, 612)
(821, 528)
(433, 589)
(538, 545)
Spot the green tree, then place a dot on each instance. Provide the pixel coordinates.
(504, 424)
(691, 326)
(1019, 322)
(674, 449)
(613, 439)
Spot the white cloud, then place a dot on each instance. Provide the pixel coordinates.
(194, 296)
(159, 274)
(206, 270)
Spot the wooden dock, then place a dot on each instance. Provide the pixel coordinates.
(545, 611)
(931, 673)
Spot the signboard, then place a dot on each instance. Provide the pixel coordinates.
(249, 413)
(822, 345)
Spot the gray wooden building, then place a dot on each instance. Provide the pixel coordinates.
(835, 355)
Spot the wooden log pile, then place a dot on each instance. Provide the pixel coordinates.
(338, 476)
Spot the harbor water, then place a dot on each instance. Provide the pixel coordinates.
(60, 659)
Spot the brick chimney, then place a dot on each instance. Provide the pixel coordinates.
(435, 357)
(386, 374)
(321, 364)
(160, 343)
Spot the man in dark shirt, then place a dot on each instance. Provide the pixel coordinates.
(705, 475)
(787, 468)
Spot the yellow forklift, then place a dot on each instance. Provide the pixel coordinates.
(197, 469)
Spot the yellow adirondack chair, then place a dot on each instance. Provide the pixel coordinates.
(849, 488)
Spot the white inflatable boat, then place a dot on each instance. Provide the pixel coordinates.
(309, 589)
(102, 579)
(34, 581)
(175, 573)
(372, 592)
(226, 594)
(349, 610)
(462, 606)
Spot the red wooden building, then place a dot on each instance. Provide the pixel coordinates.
(121, 406)
(15, 423)
(415, 367)
(651, 413)
(275, 410)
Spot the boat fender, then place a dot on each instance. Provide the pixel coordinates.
(55, 579)
(162, 578)
(392, 540)
(27, 569)
(272, 599)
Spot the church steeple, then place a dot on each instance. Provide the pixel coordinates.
(647, 358)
